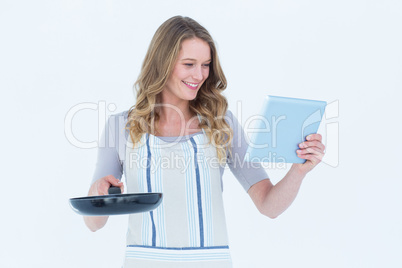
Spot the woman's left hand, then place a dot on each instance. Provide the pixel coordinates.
(312, 150)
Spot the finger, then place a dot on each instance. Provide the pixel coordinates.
(311, 151)
(308, 144)
(115, 182)
(312, 159)
(112, 181)
(312, 144)
(316, 153)
(103, 184)
(314, 137)
(118, 184)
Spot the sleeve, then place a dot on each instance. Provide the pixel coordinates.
(108, 159)
(247, 173)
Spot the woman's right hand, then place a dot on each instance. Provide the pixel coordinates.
(102, 185)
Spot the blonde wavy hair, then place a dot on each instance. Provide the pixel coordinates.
(157, 67)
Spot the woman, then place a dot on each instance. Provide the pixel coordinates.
(180, 136)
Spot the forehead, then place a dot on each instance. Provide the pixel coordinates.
(196, 49)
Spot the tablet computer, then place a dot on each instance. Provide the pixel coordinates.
(282, 124)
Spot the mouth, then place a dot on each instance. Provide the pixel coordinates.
(191, 85)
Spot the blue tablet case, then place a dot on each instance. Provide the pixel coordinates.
(282, 124)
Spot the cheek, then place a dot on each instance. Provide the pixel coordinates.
(206, 74)
(179, 75)
(176, 74)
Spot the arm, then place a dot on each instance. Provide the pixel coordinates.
(108, 169)
(272, 200)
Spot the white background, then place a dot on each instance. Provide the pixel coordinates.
(57, 54)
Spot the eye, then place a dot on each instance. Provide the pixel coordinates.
(206, 65)
(188, 64)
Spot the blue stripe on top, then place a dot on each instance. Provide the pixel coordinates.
(197, 174)
(160, 212)
(190, 202)
(142, 187)
(148, 166)
(206, 190)
(150, 190)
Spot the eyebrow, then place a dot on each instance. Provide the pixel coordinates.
(193, 59)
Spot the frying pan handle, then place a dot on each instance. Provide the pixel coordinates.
(114, 190)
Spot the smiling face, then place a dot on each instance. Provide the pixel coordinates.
(190, 71)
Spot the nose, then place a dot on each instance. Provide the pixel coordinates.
(197, 73)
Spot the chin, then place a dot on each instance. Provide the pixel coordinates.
(191, 97)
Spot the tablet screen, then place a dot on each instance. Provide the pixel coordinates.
(282, 124)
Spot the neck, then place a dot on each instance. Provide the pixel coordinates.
(177, 110)
(175, 118)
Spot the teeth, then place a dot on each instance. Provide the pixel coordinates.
(190, 84)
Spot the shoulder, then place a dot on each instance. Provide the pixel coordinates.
(230, 118)
(122, 115)
(116, 123)
(229, 113)
(232, 121)
(118, 120)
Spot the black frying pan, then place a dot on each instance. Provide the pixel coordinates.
(115, 203)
